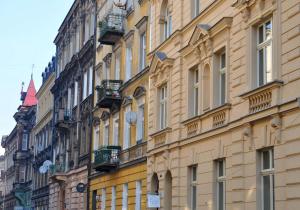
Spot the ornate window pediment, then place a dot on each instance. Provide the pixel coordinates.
(139, 92)
(127, 100)
(160, 68)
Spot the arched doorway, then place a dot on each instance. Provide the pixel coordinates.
(168, 191)
(154, 183)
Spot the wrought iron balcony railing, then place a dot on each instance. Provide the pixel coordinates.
(109, 94)
(107, 158)
(111, 29)
(56, 168)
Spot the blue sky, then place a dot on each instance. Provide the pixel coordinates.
(28, 28)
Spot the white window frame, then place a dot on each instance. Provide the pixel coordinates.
(195, 92)
(84, 90)
(138, 195)
(267, 172)
(125, 197)
(96, 137)
(143, 49)
(113, 198)
(167, 24)
(163, 103)
(140, 127)
(127, 128)
(221, 178)
(193, 185)
(116, 125)
(222, 72)
(106, 133)
(263, 46)
(103, 199)
(128, 70)
(90, 81)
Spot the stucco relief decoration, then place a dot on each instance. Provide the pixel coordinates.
(160, 68)
(245, 5)
(276, 129)
(247, 136)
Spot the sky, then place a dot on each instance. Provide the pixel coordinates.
(28, 28)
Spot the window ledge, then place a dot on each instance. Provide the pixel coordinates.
(270, 85)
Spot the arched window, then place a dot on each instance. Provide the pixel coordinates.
(168, 191)
(165, 21)
(154, 183)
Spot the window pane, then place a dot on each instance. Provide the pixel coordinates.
(221, 168)
(268, 29)
(260, 67)
(194, 173)
(260, 34)
(266, 193)
(221, 195)
(196, 102)
(223, 61)
(269, 63)
(194, 197)
(223, 88)
(266, 160)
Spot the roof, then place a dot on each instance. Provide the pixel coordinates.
(30, 99)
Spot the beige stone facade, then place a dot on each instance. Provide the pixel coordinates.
(223, 108)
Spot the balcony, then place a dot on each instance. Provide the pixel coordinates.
(134, 153)
(107, 158)
(111, 29)
(109, 94)
(63, 117)
(57, 172)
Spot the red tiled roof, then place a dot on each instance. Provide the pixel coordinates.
(30, 99)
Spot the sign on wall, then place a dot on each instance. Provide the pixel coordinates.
(153, 201)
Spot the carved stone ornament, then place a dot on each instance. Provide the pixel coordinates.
(139, 91)
(96, 121)
(105, 115)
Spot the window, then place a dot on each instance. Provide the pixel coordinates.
(25, 141)
(22, 174)
(143, 51)
(138, 195)
(113, 198)
(221, 190)
(125, 197)
(222, 78)
(94, 200)
(195, 6)
(267, 179)
(128, 63)
(264, 53)
(194, 95)
(75, 94)
(116, 130)
(84, 90)
(96, 138)
(103, 198)
(140, 123)
(167, 24)
(69, 100)
(163, 98)
(117, 67)
(126, 142)
(193, 187)
(106, 133)
(90, 80)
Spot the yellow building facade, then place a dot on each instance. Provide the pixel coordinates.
(117, 177)
(224, 104)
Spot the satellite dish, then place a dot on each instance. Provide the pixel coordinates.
(120, 3)
(43, 169)
(131, 117)
(47, 163)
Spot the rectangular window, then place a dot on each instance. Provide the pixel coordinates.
(90, 80)
(138, 195)
(113, 198)
(125, 197)
(193, 187)
(25, 141)
(84, 90)
(75, 94)
(96, 138)
(69, 100)
(103, 199)
(221, 190)
(222, 78)
(140, 123)
(128, 63)
(127, 134)
(264, 53)
(116, 130)
(163, 98)
(195, 92)
(117, 67)
(167, 24)
(195, 8)
(143, 51)
(94, 200)
(106, 133)
(267, 179)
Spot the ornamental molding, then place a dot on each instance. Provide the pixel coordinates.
(139, 92)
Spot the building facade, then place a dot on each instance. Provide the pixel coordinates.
(223, 104)
(42, 135)
(117, 178)
(72, 92)
(18, 154)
